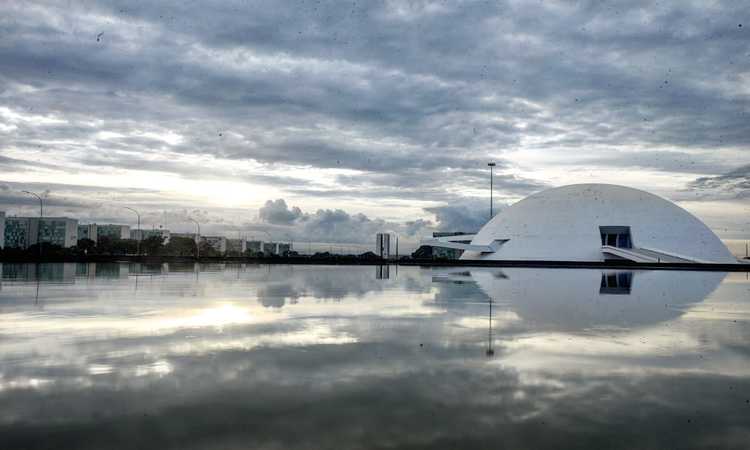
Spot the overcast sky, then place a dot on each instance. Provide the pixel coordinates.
(334, 120)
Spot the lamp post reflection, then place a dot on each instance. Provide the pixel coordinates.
(490, 351)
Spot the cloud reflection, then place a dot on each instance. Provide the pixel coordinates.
(388, 363)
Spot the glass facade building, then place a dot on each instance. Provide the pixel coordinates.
(22, 232)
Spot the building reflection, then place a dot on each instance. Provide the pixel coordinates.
(616, 283)
(382, 272)
(45, 272)
(574, 299)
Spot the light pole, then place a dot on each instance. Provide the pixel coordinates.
(140, 234)
(491, 166)
(39, 225)
(198, 239)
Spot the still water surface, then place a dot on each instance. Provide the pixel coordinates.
(104, 356)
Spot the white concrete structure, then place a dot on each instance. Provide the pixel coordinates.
(593, 222)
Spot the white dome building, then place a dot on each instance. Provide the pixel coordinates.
(589, 223)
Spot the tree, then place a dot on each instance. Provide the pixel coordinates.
(180, 246)
(86, 245)
(207, 250)
(152, 245)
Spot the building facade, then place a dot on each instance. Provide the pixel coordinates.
(236, 246)
(218, 243)
(269, 248)
(16, 233)
(22, 232)
(283, 249)
(254, 246)
(113, 231)
(88, 231)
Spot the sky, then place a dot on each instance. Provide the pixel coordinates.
(331, 121)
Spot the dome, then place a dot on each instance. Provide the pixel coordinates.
(597, 222)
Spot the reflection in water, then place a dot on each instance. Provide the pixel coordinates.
(569, 299)
(616, 283)
(247, 356)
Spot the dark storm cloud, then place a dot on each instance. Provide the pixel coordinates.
(453, 51)
(413, 97)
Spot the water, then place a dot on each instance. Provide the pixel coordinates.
(168, 357)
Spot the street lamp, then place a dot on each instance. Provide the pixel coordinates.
(198, 239)
(140, 234)
(39, 226)
(491, 166)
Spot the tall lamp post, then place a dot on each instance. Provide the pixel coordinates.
(39, 225)
(140, 234)
(491, 166)
(198, 239)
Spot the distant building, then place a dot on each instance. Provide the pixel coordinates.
(61, 231)
(254, 246)
(22, 232)
(16, 233)
(383, 245)
(88, 231)
(145, 234)
(113, 231)
(2, 229)
(218, 243)
(269, 248)
(192, 236)
(283, 249)
(237, 246)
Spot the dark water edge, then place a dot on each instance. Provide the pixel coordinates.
(404, 261)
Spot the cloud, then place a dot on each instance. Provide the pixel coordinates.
(277, 213)
(379, 101)
(733, 184)
(350, 345)
(337, 225)
(467, 218)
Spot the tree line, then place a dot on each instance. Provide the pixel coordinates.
(109, 246)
